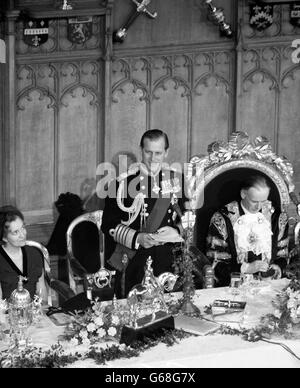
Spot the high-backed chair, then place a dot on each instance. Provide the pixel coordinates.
(85, 244)
(219, 175)
(51, 283)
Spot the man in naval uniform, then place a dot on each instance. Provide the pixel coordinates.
(143, 218)
(248, 236)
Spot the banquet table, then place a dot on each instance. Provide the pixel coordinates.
(204, 351)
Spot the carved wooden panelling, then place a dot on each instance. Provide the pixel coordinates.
(288, 137)
(77, 139)
(212, 102)
(170, 112)
(188, 95)
(2, 68)
(174, 72)
(211, 113)
(35, 150)
(59, 118)
(270, 102)
(270, 83)
(129, 112)
(259, 106)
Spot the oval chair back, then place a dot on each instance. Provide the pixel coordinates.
(219, 174)
(85, 244)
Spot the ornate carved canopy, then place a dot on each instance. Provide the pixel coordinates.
(240, 153)
(218, 176)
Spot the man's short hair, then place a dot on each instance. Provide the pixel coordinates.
(153, 135)
(258, 181)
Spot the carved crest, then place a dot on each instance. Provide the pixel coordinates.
(295, 14)
(261, 16)
(240, 147)
(80, 29)
(239, 151)
(36, 32)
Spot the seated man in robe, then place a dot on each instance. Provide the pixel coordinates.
(248, 235)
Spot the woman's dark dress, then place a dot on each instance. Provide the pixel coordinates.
(9, 272)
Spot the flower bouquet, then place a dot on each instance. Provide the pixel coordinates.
(3, 308)
(287, 306)
(3, 320)
(99, 323)
(283, 323)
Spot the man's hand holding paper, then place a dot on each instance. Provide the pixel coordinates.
(167, 234)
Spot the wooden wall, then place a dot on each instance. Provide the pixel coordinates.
(2, 69)
(68, 107)
(269, 84)
(174, 73)
(59, 107)
(55, 128)
(2, 96)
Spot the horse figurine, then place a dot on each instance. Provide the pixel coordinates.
(149, 294)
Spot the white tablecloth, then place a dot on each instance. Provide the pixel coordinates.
(211, 351)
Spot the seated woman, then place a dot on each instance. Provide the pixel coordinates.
(15, 258)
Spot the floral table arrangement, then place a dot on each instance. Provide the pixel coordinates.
(283, 324)
(98, 323)
(95, 334)
(3, 308)
(91, 334)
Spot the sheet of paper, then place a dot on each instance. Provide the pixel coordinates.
(196, 326)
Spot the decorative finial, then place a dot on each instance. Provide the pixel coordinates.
(216, 15)
(20, 282)
(149, 262)
(114, 302)
(65, 6)
(20, 296)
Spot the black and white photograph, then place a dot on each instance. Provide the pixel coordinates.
(149, 186)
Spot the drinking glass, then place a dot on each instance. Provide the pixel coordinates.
(235, 283)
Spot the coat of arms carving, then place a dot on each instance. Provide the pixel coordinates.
(80, 29)
(261, 16)
(36, 32)
(295, 14)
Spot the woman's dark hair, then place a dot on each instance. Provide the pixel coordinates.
(8, 214)
(256, 180)
(155, 134)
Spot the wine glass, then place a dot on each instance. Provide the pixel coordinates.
(235, 283)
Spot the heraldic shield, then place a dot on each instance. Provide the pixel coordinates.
(295, 14)
(36, 32)
(226, 166)
(261, 16)
(80, 29)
